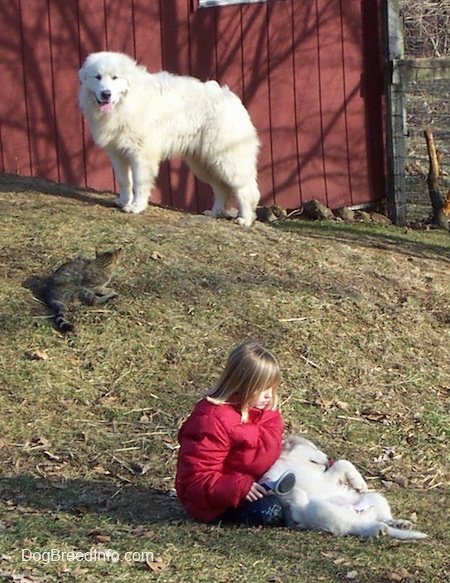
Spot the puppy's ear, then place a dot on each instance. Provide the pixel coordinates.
(290, 442)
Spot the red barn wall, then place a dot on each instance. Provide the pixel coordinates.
(308, 71)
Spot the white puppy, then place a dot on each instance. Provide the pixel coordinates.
(332, 496)
(141, 118)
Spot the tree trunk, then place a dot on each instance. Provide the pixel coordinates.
(435, 157)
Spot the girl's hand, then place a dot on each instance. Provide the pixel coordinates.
(256, 492)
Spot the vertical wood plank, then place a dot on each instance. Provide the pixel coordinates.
(308, 112)
(332, 103)
(64, 42)
(39, 94)
(14, 136)
(176, 59)
(203, 64)
(374, 107)
(119, 26)
(147, 39)
(255, 90)
(396, 114)
(92, 27)
(282, 104)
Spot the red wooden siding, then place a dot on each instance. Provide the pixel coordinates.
(309, 72)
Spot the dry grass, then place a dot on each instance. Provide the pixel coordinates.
(358, 315)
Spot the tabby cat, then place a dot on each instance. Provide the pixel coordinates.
(81, 279)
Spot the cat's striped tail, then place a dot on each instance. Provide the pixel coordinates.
(59, 309)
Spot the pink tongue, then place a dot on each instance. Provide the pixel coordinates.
(106, 107)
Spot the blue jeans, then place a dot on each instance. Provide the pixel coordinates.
(265, 511)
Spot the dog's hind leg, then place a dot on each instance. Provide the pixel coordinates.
(222, 207)
(223, 194)
(247, 198)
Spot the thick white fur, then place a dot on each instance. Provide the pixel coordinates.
(334, 497)
(141, 118)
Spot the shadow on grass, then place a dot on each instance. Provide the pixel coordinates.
(37, 284)
(128, 504)
(388, 238)
(16, 183)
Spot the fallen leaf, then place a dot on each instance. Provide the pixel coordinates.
(36, 354)
(141, 531)
(102, 538)
(101, 470)
(39, 443)
(99, 537)
(401, 480)
(156, 565)
(399, 575)
(413, 517)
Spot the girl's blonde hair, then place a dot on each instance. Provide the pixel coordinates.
(250, 370)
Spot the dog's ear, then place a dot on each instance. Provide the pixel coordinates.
(292, 441)
(82, 74)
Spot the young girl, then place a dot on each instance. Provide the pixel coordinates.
(231, 438)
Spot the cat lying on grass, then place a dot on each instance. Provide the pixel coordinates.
(81, 279)
(333, 496)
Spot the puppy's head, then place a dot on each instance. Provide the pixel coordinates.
(292, 441)
(301, 451)
(104, 79)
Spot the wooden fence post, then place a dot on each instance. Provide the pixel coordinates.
(396, 113)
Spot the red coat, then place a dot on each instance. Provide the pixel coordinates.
(220, 457)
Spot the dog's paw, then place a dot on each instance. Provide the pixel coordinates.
(133, 208)
(244, 222)
(381, 530)
(120, 202)
(357, 482)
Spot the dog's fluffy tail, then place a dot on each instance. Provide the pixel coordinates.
(404, 534)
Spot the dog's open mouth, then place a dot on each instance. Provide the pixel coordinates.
(105, 106)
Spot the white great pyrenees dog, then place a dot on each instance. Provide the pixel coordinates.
(141, 118)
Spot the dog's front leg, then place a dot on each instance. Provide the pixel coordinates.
(144, 176)
(344, 473)
(122, 170)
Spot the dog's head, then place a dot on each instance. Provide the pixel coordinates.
(104, 79)
(302, 452)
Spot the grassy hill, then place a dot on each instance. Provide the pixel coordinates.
(358, 315)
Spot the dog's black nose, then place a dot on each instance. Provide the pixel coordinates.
(106, 94)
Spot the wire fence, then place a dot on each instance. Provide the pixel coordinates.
(426, 32)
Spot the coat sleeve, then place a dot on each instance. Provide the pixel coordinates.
(204, 448)
(271, 434)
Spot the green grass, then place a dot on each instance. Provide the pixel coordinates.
(358, 315)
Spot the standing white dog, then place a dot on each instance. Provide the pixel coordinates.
(333, 497)
(141, 118)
